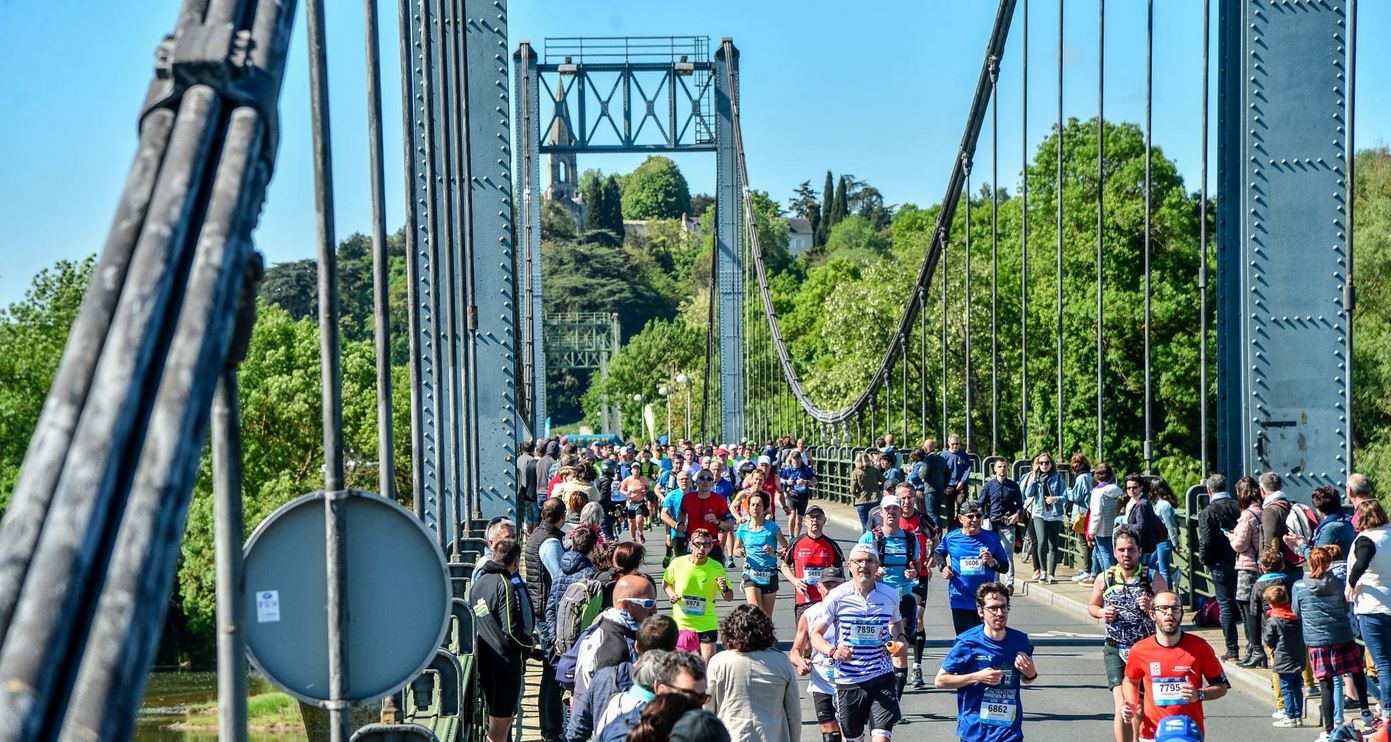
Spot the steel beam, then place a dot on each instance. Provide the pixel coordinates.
(1283, 315)
(527, 109)
(728, 235)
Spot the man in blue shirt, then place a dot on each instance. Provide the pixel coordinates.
(970, 557)
(985, 667)
(958, 473)
(1003, 504)
(670, 514)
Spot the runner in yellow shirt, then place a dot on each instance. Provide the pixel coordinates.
(692, 583)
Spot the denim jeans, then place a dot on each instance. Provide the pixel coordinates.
(1006, 534)
(863, 510)
(1292, 693)
(1164, 561)
(1224, 585)
(931, 501)
(1103, 553)
(1376, 632)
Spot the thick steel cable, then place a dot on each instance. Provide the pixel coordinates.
(1059, 188)
(1100, 230)
(1024, 251)
(994, 257)
(994, 48)
(1202, 258)
(1149, 208)
(386, 459)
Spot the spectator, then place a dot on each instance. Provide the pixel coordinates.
(1165, 502)
(1275, 508)
(958, 464)
(498, 529)
(1002, 502)
(574, 566)
(505, 637)
(611, 640)
(1215, 550)
(1285, 639)
(1044, 498)
(1369, 590)
(660, 717)
(753, 686)
(543, 553)
(1334, 527)
(657, 674)
(656, 632)
(866, 484)
(1079, 500)
(699, 726)
(1245, 540)
(1103, 504)
(1322, 609)
(1359, 489)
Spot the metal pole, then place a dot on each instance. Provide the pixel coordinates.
(335, 498)
(386, 460)
(1202, 260)
(1024, 252)
(994, 256)
(228, 534)
(946, 423)
(1149, 107)
(966, 169)
(1349, 295)
(1100, 230)
(1059, 330)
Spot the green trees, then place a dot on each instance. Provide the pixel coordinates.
(1371, 324)
(655, 190)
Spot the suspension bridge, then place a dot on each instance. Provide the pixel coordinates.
(90, 540)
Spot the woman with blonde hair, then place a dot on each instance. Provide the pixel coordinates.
(866, 485)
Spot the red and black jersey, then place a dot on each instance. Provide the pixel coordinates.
(811, 559)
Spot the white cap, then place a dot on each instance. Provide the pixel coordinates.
(764, 460)
(865, 549)
(890, 500)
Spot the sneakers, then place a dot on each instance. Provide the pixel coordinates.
(1038, 575)
(1279, 714)
(1288, 722)
(1081, 577)
(918, 682)
(1051, 580)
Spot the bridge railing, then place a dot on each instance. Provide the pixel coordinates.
(834, 466)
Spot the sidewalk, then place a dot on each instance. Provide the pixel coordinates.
(1073, 597)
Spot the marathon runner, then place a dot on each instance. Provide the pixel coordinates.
(969, 557)
(819, 669)
(813, 562)
(672, 515)
(1175, 672)
(1121, 597)
(692, 582)
(985, 666)
(899, 553)
(915, 522)
(760, 544)
(634, 490)
(797, 479)
(863, 617)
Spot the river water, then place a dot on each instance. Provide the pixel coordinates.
(169, 694)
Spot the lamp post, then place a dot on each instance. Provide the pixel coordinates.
(666, 394)
(685, 382)
(641, 423)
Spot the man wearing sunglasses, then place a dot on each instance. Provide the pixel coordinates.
(986, 666)
(1178, 671)
(706, 511)
(969, 557)
(692, 582)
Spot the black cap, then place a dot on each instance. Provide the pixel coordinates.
(970, 506)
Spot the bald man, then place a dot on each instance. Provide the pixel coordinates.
(606, 643)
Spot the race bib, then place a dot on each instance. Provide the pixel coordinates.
(812, 575)
(761, 576)
(1169, 691)
(999, 707)
(974, 566)
(865, 634)
(692, 606)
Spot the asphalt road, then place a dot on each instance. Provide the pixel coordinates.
(1070, 698)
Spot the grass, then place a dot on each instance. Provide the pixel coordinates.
(266, 712)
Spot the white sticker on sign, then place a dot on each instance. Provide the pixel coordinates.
(268, 606)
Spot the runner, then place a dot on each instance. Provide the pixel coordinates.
(634, 489)
(692, 582)
(1174, 671)
(818, 668)
(813, 563)
(969, 557)
(899, 553)
(985, 666)
(760, 544)
(706, 511)
(672, 515)
(863, 617)
(797, 480)
(916, 522)
(1121, 597)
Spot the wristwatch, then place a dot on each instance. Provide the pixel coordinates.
(1202, 694)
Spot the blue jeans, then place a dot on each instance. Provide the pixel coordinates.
(931, 500)
(1164, 561)
(1224, 584)
(1103, 553)
(863, 510)
(1376, 632)
(1292, 693)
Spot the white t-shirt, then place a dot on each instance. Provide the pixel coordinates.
(817, 680)
(862, 623)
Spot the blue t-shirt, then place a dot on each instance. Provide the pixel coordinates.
(792, 473)
(968, 570)
(988, 713)
(900, 550)
(723, 487)
(671, 505)
(758, 565)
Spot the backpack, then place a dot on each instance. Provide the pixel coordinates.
(1113, 576)
(912, 540)
(1301, 520)
(582, 601)
(1151, 528)
(567, 666)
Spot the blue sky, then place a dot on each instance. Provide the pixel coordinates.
(878, 89)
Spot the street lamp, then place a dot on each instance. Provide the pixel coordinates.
(685, 382)
(638, 399)
(666, 394)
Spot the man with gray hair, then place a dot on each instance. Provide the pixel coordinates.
(498, 529)
(1215, 550)
(657, 672)
(1359, 489)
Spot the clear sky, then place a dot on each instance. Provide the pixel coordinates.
(878, 89)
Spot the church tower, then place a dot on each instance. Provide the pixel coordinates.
(564, 183)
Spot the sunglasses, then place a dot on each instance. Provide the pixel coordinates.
(971, 516)
(705, 480)
(648, 603)
(699, 698)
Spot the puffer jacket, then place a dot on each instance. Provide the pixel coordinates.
(1319, 603)
(574, 567)
(867, 485)
(1105, 502)
(1246, 540)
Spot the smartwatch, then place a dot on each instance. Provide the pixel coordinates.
(1202, 695)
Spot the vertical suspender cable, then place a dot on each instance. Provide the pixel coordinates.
(994, 256)
(473, 483)
(1024, 252)
(447, 238)
(1202, 260)
(942, 268)
(966, 169)
(229, 532)
(335, 499)
(408, 105)
(1149, 207)
(922, 360)
(903, 343)
(1058, 330)
(1100, 228)
(386, 464)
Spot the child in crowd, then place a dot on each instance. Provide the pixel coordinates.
(1323, 612)
(1284, 637)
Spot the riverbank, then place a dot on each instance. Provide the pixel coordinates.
(267, 713)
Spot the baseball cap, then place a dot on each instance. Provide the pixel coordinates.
(765, 460)
(814, 509)
(865, 549)
(970, 506)
(890, 500)
(721, 451)
(1177, 729)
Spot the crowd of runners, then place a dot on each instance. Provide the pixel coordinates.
(566, 588)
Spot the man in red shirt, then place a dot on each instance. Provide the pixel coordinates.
(1174, 671)
(706, 511)
(813, 562)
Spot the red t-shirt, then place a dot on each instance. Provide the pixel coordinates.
(1162, 671)
(815, 554)
(696, 508)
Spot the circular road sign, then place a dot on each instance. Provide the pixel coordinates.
(398, 597)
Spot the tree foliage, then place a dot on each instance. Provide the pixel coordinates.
(656, 190)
